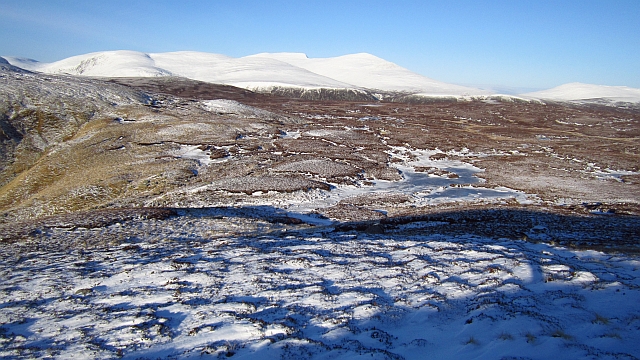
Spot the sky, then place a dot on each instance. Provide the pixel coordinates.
(510, 45)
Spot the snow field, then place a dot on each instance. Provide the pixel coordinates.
(210, 285)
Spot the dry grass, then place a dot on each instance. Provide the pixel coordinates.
(471, 341)
(601, 320)
(322, 168)
(531, 338)
(253, 184)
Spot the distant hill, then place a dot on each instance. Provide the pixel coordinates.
(588, 92)
(349, 77)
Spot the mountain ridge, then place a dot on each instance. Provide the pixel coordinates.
(296, 73)
(262, 72)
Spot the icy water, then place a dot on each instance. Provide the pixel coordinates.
(428, 189)
(423, 188)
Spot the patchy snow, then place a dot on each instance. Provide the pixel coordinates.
(232, 107)
(579, 91)
(607, 174)
(199, 154)
(216, 284)
(452, 181)
(289, 134)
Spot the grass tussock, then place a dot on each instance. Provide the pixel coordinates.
(601, 320)
(559, 333)
(531, 338)
(472, 341)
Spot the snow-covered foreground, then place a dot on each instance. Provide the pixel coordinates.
(224, 284)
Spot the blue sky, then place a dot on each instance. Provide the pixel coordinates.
(518, 44)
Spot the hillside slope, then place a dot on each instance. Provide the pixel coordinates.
(38, 112)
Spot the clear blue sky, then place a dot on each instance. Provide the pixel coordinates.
(511, 43)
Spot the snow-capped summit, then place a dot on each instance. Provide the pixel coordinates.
(254, 73)
(588, 92)
(371, 72)
(121, 63)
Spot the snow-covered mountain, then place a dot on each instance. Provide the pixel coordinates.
(588, 92)
(262, 72)
(288, 73)
(247, 72)
(108, 63)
